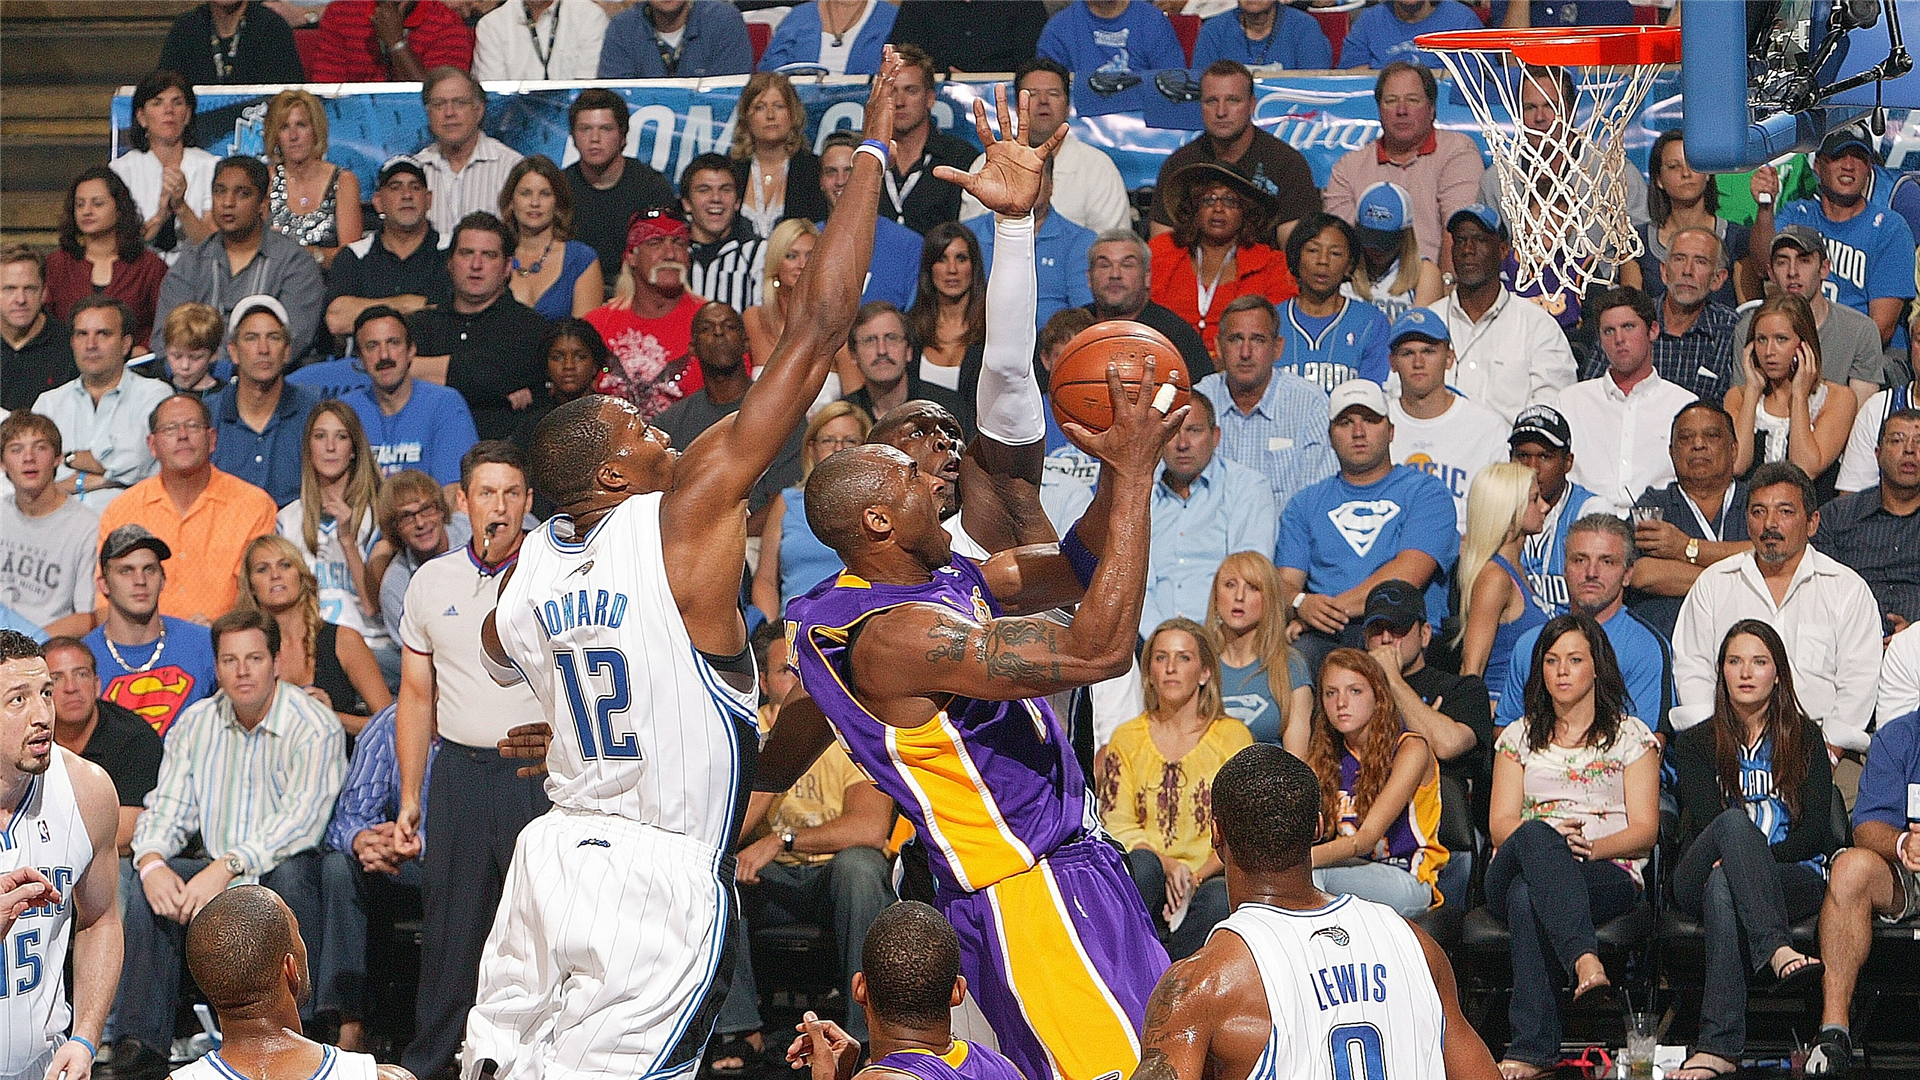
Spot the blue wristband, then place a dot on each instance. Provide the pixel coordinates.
(1078, 556)
(92, 1050)
(877, 147)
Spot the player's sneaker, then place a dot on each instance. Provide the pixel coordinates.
(1831, 1055)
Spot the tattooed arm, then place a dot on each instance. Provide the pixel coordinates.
(1208, 1018)
(912, 654)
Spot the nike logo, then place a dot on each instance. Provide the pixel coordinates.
(582, 568)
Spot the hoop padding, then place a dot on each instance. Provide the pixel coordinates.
(1563, 190)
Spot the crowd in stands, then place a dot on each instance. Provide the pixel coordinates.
(265, 460)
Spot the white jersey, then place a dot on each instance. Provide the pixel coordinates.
(47, 832)
(643, 727)
(335, 1064)
(1349, 989)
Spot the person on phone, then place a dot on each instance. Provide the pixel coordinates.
(1786, 411)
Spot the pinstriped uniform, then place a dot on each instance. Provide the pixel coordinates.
(335, 1064)
(47, 832)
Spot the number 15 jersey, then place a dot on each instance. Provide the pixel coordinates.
(643, 726)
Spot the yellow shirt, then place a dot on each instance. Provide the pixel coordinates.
(1148, 801)
(816, 798)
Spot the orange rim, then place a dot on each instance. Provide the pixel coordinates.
(1587, 46)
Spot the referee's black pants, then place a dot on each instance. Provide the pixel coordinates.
(475, 809)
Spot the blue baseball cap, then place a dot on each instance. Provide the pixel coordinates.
(1384, 207)
(1421, 323)
(1487, 216)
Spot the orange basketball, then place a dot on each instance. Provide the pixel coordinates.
(1078, 384)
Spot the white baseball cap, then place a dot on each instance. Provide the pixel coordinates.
(251, 304)
(1364, 393)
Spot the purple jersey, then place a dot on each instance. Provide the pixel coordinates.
(963, 1061)
(992, 786)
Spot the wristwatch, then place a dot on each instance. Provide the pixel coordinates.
(786, 841)
(1693, 551)
(234, 865)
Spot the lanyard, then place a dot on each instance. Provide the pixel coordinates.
(1273, 33)
(223, 63)
(1715, 528)
(1205, 292)
(898, 192)
(552, 40)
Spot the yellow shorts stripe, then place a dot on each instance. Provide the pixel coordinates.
(1062, 995)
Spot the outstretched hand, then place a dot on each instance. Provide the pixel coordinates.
(1008, 182)
(528, 742)
(879, 114)
(1139, 432)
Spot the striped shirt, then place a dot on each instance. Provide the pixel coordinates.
(371, 795)
(1284, 437)
(262, 795)
(729, 271)
(475, 187)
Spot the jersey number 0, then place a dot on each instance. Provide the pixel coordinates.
(595, 724)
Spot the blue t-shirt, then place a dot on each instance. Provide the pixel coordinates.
(1377, 37)
(1140, 39)
(1059, 263)
(1246, 695)
(557, 301)
(1871, 254)
(1296, 42)
(1340, 533)
(1646, 665)
(158, 688)
(331, 378)
(431, 432)
(1328, 350)
(894, 273)
(1893, 766)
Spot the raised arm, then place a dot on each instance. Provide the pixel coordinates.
(1466, 1056)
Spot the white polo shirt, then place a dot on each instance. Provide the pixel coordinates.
(1513, 357)
(447, 600)
(1620, 439)
(1900, 675)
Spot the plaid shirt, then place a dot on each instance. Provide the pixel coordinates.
(1701, 360)
(1284, 438)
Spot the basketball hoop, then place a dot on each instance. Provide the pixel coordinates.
(1563, 191)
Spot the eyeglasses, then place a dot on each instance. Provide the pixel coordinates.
(1227, 200)
(869, 341)
(181, 427)
(408, 517)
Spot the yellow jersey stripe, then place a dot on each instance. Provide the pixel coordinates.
(1062, 995)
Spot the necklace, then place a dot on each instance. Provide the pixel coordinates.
(158, 648)
(223, 62)
(840, 36)
(539, 263)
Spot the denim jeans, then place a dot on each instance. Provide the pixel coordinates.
(1382, 883)
(1748, 895)
(1577, 895)
(340, 967)
(1204, 911)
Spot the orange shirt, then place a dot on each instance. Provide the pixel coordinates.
(1259, 269)
(208, 542)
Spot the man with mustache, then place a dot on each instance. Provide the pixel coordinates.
(410, 424)
(649, 322)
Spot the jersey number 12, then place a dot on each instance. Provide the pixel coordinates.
(595, 724)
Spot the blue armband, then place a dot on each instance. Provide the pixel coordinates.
(92, 1051)
(1083, 561)
(876, 148)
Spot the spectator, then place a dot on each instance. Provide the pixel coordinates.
(896, 248)
(1785, 410)
(312, 201)
(257, 419)
(1850, 351)
(269, 264)
(1900, 674)
(1060, 250)
(1436, 430)
(331, 526)
(485, 344)
(726, 258)
(132, 639)
(1438, 172)
(1084, 185)
(399, 266)
(1326, 337)
(1382, 34)
(193, 334)
(648, 325)
(949, 319)
(1547, 94)
(1551, 13)
(172, 182)
(100, 238)
(792, 559)
(964, 36)
(1695, 346)
(1204, 508)
(1269, 418)
(1755, 790)
(36, 349)
(1370, 522)
(882, 349)
(575, 358)
(100, 414)
(1612, 416)
(223, 513)
(1876, 532)
(1450, 711)
(781, 178)
(1248, 36)
(1120, 275)
(843, 36)
(109, 735)
(1111, 37)
(1379, 789)
(410, 424)
(1217, 253)
(466, 167)
(1542, 441)
(676, 39)
(537, 208)
(563, 40)
(1263, 681)
(788, 250)
(368, 41)
(1506, 355)
(480, 804)
(1388, 271)
(1600, 557)
(46, 535)
(260, 807)
(418, 524)
(1233, 143)
(1069, 473)
(1503, 509)
(1576, 792)
(1823, 610)
(330, 662)
(914, 196)
(1678, 200)
(608, 188)
(233, 42)
(1700, 519)
(1154, 780)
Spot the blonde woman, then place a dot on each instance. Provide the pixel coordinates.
(778, 177)
(1155, 784)
(792, 559)
(1496, 605)
(311, 200)
(1263, 681)
(787, 253)
(1389, 272)
(331, 662)
(553, 273)
(331, 523)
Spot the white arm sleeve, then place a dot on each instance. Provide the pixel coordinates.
(1008, 401)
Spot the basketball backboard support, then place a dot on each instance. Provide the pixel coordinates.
(1743, 105)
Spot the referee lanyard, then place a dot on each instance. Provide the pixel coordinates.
(553, 39)
(1712, 529)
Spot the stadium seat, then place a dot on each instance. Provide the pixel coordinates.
(759, 35)
(1334, 24)
(306, 42)
(1187, 29)
(1678, 927)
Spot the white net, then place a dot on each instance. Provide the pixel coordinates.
(1558, 141)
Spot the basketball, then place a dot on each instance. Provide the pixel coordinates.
(1078, 384)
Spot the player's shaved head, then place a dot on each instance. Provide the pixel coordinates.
(842, 487)
(894, 427)
(237, 947)
(569, 446)
(911, 959)
(1266, 803)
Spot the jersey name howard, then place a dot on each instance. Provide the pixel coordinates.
(1346, 984)
(571, 610)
